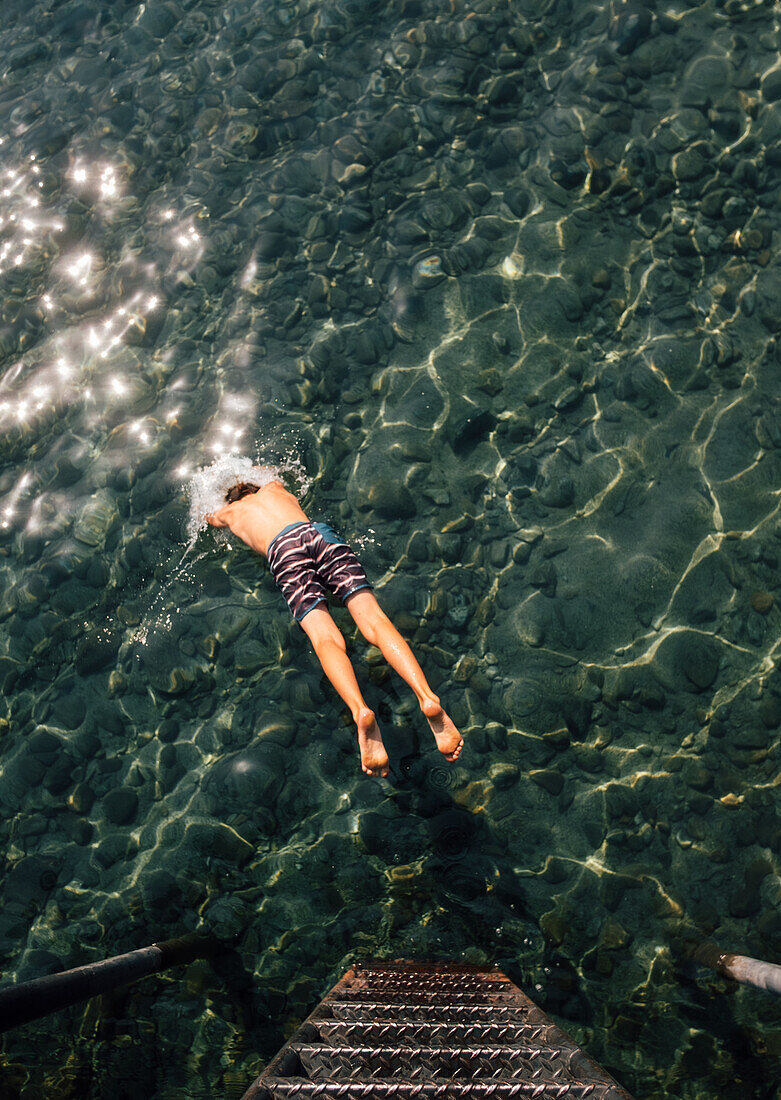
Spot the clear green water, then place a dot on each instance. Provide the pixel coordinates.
(503, 279)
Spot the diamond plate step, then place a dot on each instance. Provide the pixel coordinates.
(531, 1063)
(426, 1033)
(429, 1090)
(413, 1031)
(381, 1010)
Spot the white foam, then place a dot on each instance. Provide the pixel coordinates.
(208, 486)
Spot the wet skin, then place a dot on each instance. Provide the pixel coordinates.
(256, 519)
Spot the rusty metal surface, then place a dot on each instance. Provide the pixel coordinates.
(466, 983)
(426, 1033)
(429, 1090)
(412, 1030)
(381, 1010)
(429, 996)
(465, 1062)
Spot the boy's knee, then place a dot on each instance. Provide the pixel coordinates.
(322, 630)
(333, 636)
(372, 626)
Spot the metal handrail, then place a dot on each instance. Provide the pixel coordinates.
(19, 1004)
(738, 968)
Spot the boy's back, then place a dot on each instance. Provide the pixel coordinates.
(258, 517)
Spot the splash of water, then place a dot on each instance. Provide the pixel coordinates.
(206, 490)
(208, 486)
(158, 617)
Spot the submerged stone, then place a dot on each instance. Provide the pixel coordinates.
(762, 602)
(121, 806)
(549, 779)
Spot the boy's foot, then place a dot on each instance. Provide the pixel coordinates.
(449, 740)
(374, 758)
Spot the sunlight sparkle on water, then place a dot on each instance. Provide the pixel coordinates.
(80, 268)
(50, 378)
(102, 179)
(108, 184)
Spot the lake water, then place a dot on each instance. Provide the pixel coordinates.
(497, 285)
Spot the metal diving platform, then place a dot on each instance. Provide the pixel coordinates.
(407, 1030)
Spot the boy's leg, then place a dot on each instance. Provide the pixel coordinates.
(328, 643)
(377, 629)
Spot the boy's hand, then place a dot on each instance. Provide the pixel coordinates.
(213, 519)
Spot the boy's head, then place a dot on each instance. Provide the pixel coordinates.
(241, 489)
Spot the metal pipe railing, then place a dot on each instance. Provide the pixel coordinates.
(30, 1000)
(739, 968)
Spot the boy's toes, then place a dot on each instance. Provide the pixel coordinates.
(376, 773)
(454, 755)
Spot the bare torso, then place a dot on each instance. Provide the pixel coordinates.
(257, 518)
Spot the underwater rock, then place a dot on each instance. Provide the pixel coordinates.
(768, 294)
(217, 840)
(69, 712)
(379, 485)
(631, 27)
(751, 735)
(390, 499)
(771, 85)
(518, 200)
(701, 78)
(58, 777)
(468, 427)
(162, 895)
(38, 963)
(82, 798)
(96, 650)
(503, 775)
(227, 917)
(159, 19)
(770, 714)
(216, 584)
(249, 657)
(762, 602)
(168, 730)
(120, 806)
(549, 779)
(700, 663)
(253, 777)
(558, 492)
(467, 256)
(174, 681)
(398, 839)
(689, 164)
(114, 848)
(44, 745)
(428, 272)
(95, 522)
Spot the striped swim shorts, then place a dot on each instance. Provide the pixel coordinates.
(309, 560)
